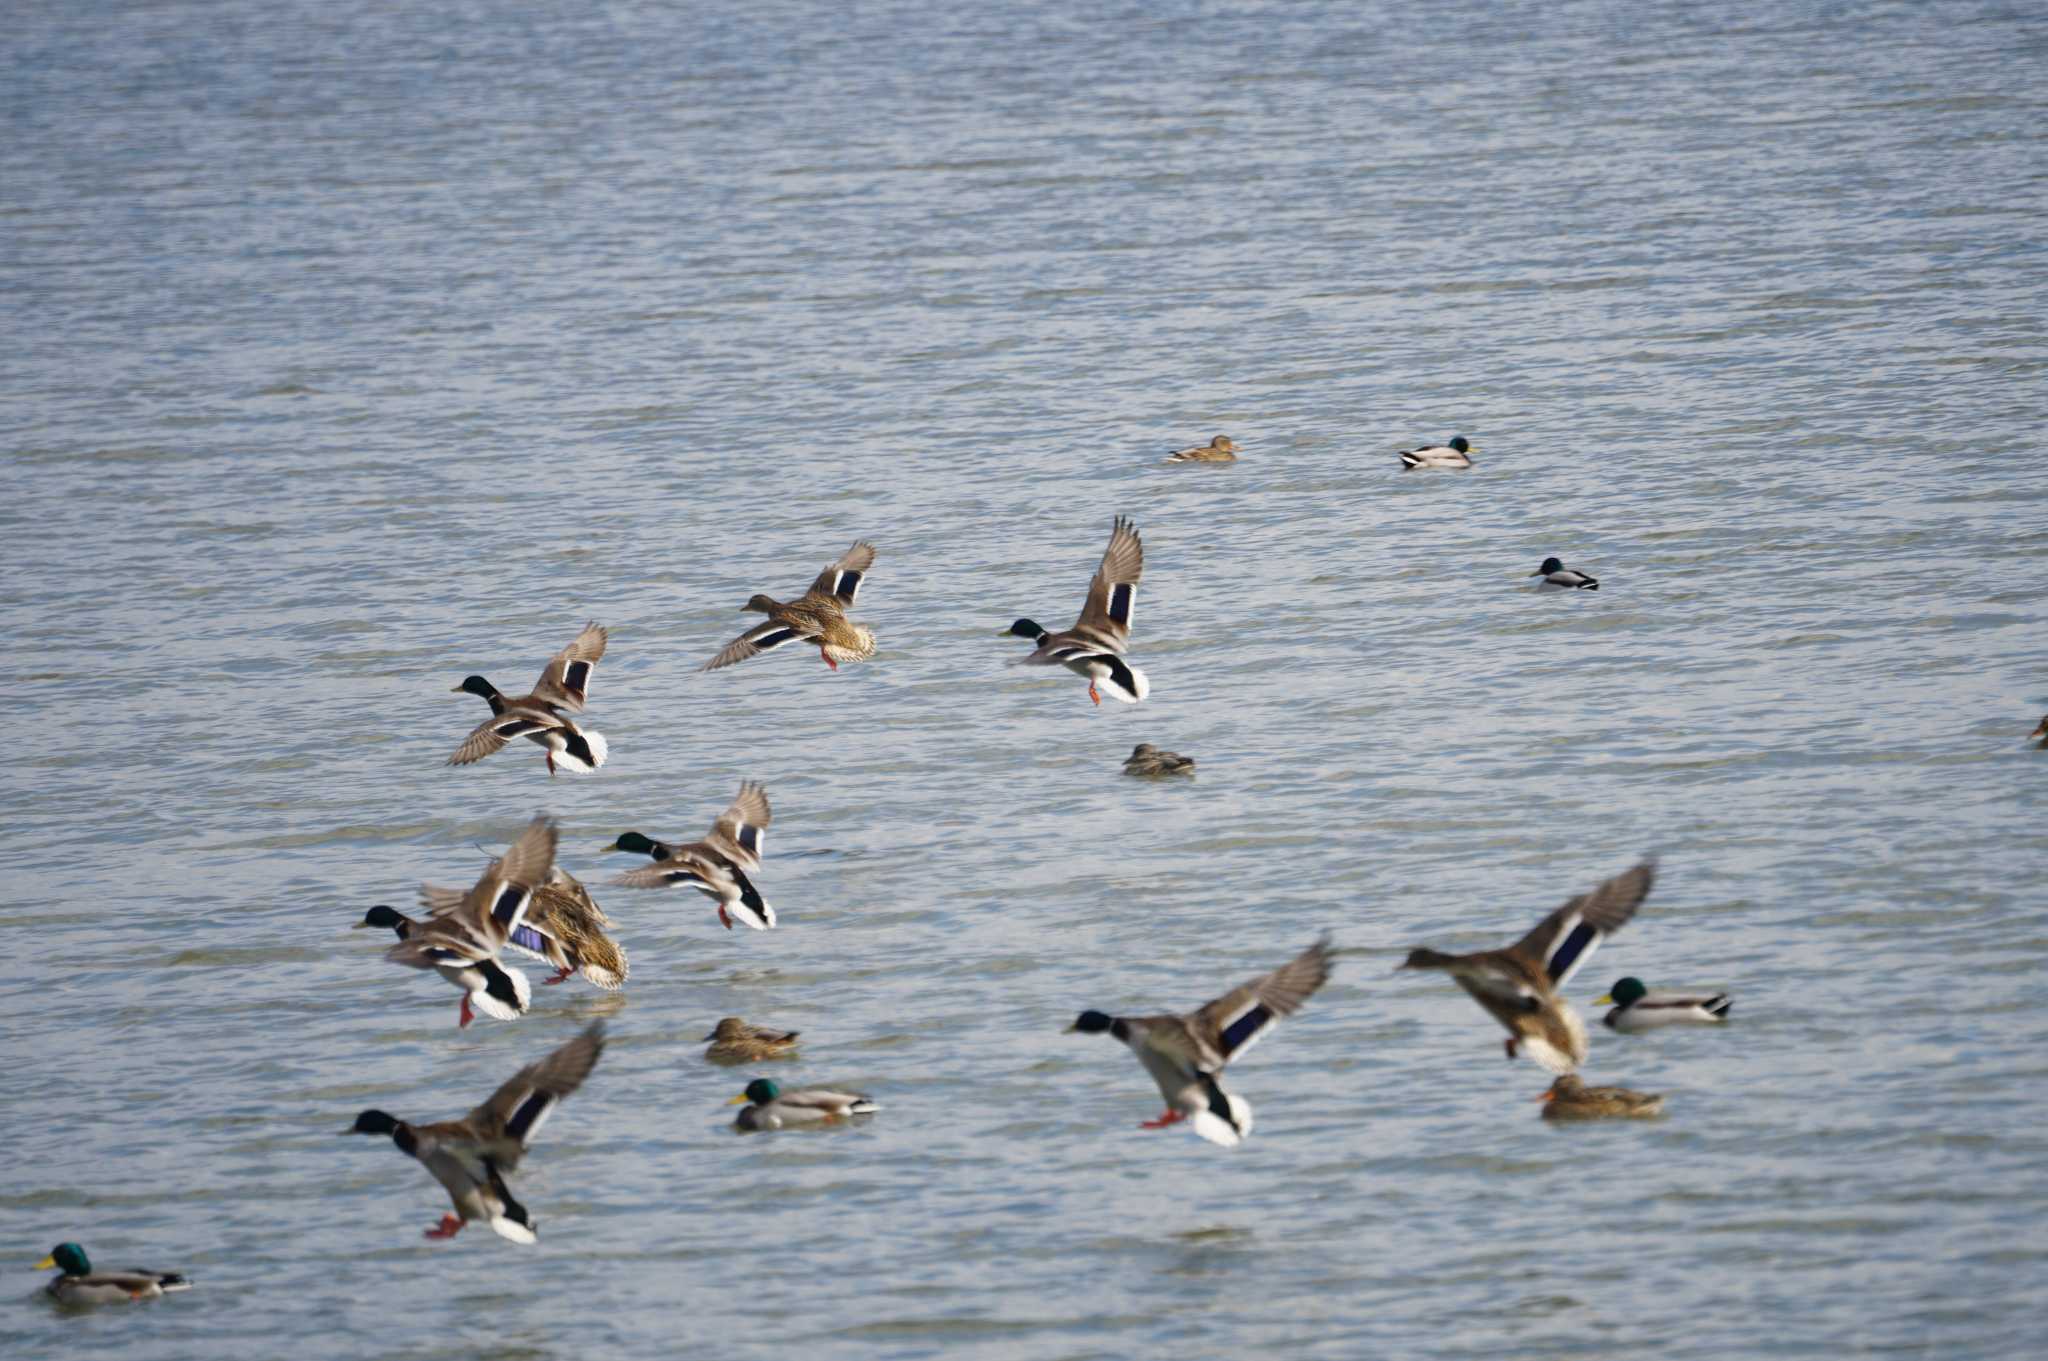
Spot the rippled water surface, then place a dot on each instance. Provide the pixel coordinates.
(351, 349)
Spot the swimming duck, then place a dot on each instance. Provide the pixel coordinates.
(2041, 732)
(818, 616)
(1094, 646)
(462, 942)
(734, 1041)
(1571, 1099)
(542, 716)
(77, 1283)
(1555, 573)
(1186, 1055)
(773, 1108)
(1637, 1008)
(1221, 449)
(1147, 760)
(1521, 985)
(1456, 454)
(471, 1157)
(564, 926)
(716, 866)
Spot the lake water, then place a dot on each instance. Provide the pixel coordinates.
(354, 349)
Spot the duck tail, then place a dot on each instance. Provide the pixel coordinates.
(1124, 681)
(506, 992)
(1225, 1117)
(582, 752)
(753, 909)
(1719, 1006)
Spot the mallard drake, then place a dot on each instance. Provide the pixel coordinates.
(734, 1041)
(1456, 454)
(2040, 731)
(773, 1108)
(542, 716)
(1521, 985)
(818, 616)
(462, 942)
(1555, 573)
(471, 1157)
(1094, 647)
(1221, 449)
(564, 926)
(77, 1283)
(1637, 1008)
(716, 866)
(1186, 1054)
(1571, 1099)
(1147, 760)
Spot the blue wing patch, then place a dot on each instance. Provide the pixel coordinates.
(529, 1111)
(1241, 1030)
(526, 938)
(1120, 602)
(750, 837)
(510, 899)
(1580, 939)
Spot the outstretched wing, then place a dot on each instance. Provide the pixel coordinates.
(761, 638)
(498, 902)
(493, 733)
(1106, 616)
(1234, 1022)
(1566, 938)
(843, 578)
(517, 1110)
(565, 683)
(742, 829)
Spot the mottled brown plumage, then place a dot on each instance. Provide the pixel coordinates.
(818, 616)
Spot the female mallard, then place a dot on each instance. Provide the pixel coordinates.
(1456, 454)
(1520, 985)
(1637, 1008)
(462, 941)
(716, 866)
(1148, 760)
(1094, 647)
(563, 689)
(77, 1283)
(1555, 573)
(773, 1108)
(1571, 1099)
(734, 1041)
(1221, 449)
(471, 1157)
(564, 926)
(819, 617)
(1186, 1054)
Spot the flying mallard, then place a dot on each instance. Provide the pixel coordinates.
(1146, 760)
(1456, 454)
(1186, 1054)
(1555, 573)
(77, 1283)
(1221, 449)
(1520, 986)
(463, 941)
(1094, 647)
(1637, 1008)
(734, 1041)
(471, 1157)
(819, 617)
(543, 716)
(716, 866)
(564, 926)
(773, 1108)
(1571, 1099)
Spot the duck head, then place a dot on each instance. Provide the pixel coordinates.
(373, 1122)
(1458, 443)
(1625, 993)
(761, 604)
(1091, 1023)
(475, 685)
(1025, 628)
(1549, 565)
(68, 1258)
(380, 915)
(634, 844)
(759, 1092)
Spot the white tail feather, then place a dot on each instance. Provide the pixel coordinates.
(497, 1010)
(599, 748)
(513, 1229)
(1218, 1131)
(1115, 691)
